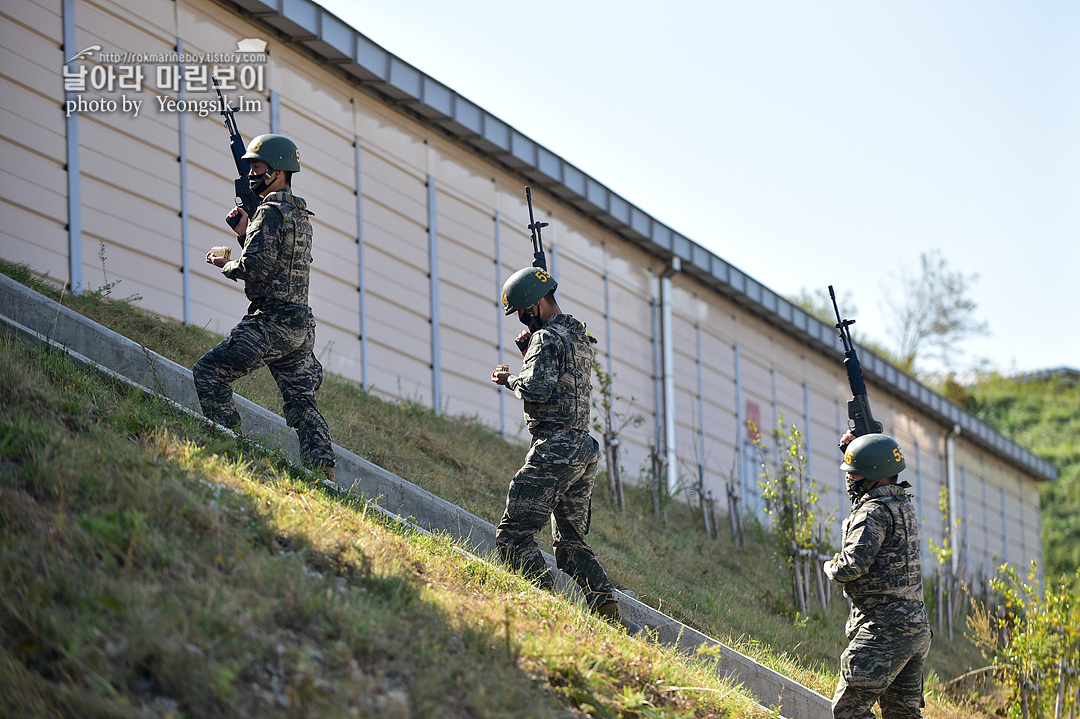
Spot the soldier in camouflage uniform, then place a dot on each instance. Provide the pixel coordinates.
(880, 568)
(556, 480)
(279, 328)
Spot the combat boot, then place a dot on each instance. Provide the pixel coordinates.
(610, 612)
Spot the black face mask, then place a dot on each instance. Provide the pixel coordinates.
(530, 320)
(259, 183)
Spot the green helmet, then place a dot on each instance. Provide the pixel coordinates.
(525, 288)
(277, 151)
(874, 456)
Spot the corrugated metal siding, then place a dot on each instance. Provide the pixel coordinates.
(1031, 544)
(631, 348)
(467, 244)
(397, 265)
(33, 186)
(977, 520)
(823, 454)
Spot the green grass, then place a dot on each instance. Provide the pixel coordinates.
(737, 596)
(152, 567)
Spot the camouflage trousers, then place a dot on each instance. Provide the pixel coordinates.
(548, 488)
(285, 346)
(884, 663)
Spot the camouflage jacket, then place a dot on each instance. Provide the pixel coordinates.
(275, 263)
(556, 377)
(880, 562)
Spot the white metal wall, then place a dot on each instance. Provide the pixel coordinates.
(413, 237)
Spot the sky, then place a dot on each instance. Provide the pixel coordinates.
(806, 143)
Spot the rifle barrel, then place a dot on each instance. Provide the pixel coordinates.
(539, 260)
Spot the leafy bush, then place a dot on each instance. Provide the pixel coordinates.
(1034, 638)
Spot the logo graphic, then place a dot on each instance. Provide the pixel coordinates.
(88, 52)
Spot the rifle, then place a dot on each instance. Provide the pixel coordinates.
(539, 260)
(245, 198)
(860, 420)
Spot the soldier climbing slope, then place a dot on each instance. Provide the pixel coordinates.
(556, 480)
(880, 567)
(279, 328)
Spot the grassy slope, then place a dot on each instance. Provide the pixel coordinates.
(733, 595)
(152, 568)
(1044, 416)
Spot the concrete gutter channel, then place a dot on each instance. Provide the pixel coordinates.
(35, 318)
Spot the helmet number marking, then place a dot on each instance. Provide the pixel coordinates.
(541, 275)
(897, 454)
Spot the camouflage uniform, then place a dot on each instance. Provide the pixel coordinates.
(278, 330)
(881, 569)
(557, 478)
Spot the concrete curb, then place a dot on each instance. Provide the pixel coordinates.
(45, 318)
